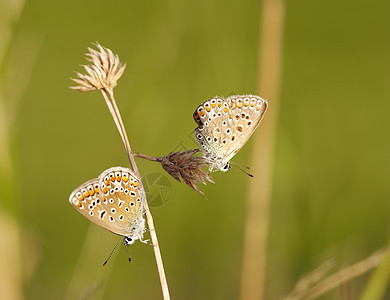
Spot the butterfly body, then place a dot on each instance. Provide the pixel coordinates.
(113, 201)
(224, 126)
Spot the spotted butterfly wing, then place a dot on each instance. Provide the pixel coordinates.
(112, 201)
(224, 126)
(247, 113)
(214, 130)
(86, 199)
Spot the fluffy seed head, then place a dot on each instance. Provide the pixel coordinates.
(103, 72)
(188, 167)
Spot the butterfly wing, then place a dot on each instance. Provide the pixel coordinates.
(247, 112)
(112, 201)
(122, 200)
(87, 199)
(224, 126)
(214, 129)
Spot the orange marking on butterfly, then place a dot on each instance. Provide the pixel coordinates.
(239, 104)
(213, 105)
(230, 116)
(113, 178)
(81, 198)
(108, 181)
(125, 178)
(252, 104)
(97, 190)
(118, 178)
(79, 204)
(135, 183)
(219, 104)
(92, 192)
(105, 190)
(201, 113)
(208, 109)
(246, 103)
(86, 194)
(225, 109)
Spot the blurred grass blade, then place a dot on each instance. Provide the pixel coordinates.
(379, 282)
(256, 227)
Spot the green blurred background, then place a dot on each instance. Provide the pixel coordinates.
(330, 194)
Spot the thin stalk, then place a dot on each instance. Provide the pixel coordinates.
(342, 276)
(259, 196)
(110, 100)
(147, 157)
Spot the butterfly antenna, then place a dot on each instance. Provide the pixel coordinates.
(112, 252)
(240, 167)
(128, 255)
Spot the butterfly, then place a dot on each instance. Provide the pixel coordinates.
(224, 126)
(113, 201)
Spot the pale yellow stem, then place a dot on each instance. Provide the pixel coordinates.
(110, 100)
(257, 219)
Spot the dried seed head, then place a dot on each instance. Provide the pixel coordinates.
(103, 73)
(188, 167)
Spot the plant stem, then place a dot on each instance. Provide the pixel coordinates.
(259, 196)
(342, 276)
(147, 157)
(110, 100)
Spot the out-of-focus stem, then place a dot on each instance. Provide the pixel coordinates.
(256, 227)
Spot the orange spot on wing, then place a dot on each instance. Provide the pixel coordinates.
(118, 178)
(213, 105)
(113, 178)
(125, 178)
(135, 183)
(208, 109)
(86, 194)
(225, 109)
(239, 104)
(108, 181)
(92, 192)
(219, 104)
(105, 190)
(201, 113)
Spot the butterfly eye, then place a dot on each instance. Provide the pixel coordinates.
(128, 240)
(226, 167)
